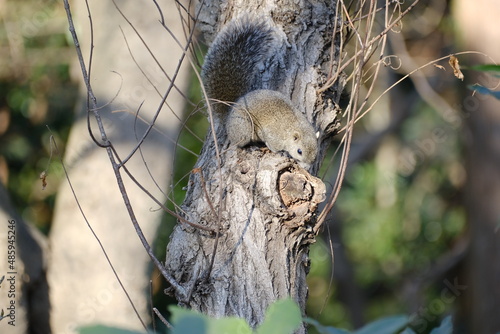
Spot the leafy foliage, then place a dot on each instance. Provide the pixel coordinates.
(389, 325)
(486, 68)
(188, 321)
(105, 330)
(446, 327)
(282, 317)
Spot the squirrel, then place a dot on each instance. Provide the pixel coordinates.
(249, 114)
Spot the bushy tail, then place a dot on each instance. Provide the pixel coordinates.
(230, 67)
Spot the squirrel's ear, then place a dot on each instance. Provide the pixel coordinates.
(296, 136)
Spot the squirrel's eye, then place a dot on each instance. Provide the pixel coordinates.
(299, 151)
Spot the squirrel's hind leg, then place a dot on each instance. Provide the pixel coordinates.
(240, 128)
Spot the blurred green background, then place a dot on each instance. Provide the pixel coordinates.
(36, 91)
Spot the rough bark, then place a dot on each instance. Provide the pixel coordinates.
(83, 288)
(262, 203)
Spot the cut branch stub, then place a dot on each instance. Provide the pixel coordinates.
(301, 193)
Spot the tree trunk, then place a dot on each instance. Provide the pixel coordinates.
(262, 203)
(83, 288)
(480, 302)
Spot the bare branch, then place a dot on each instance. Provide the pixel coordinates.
(110, 151)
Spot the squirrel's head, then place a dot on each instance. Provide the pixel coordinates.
(304, 147)
(275, 122)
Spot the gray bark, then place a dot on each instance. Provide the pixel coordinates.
(262, 203)
(83, 288)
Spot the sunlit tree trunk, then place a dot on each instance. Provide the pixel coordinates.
(83, 288)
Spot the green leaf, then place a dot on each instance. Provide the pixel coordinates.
(100, 329)
(189, 321)
(177, 313)
(324, 329)
(486, 68)
(282, 317)
(446, 327)
(485, 91)
(227, 325)
(388, 325)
